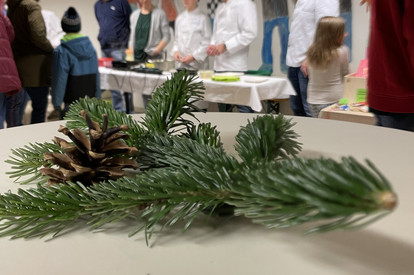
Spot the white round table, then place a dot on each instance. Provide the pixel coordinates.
(236, 246)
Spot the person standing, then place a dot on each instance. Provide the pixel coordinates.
(11, 95)
(75, 65)
(114, 31)
(150, 32)
(327, 60)
(391, 63)
(33, 53)
(306, 16)
(192, 37)
(235, 28)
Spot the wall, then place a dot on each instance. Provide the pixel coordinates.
(360, 28)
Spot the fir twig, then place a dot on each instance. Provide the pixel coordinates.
(280, 194)
(204, 133)
(95, 108)
(26, 162)
(267, 138)
(194, 175)
(292, 192)
(171, 101)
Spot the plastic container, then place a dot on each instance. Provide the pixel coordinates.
(105, 62)
(206, 74)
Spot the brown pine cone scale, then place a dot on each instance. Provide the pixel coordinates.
(100, 157)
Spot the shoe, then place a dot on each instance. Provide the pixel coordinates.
(54, 115)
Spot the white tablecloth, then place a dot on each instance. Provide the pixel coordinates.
(236, 247)
(240, 92)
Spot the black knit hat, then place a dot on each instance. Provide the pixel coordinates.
(71, 21)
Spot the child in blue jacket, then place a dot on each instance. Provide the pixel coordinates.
(75, 65)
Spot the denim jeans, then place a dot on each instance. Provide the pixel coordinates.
(2, 110)
(10, 109)
(117, 99)
(396, 121)
(26, 99)
(299, 103)
(38, 95)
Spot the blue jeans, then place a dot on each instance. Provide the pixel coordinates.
(396, 121)
(298, 102)
(10, 109)
(26, 99)
(38, 95)
(117, 100)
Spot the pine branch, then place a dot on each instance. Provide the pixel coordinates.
(185, 91)
(171, 101)
(291, 192)
(27, 161)
(194, 176)
(172, 151)
(279, 194)
(95, 108)
(267, 138)
(40, 211)
(204, 133)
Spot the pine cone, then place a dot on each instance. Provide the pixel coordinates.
(101, 157)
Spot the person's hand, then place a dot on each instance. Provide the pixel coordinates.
(212, 50)
(156, 52)
(368, 2)
(304, 68)
(187, 59)
(177, 56)
(221, 48)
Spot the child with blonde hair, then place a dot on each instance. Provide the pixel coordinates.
(327, 64)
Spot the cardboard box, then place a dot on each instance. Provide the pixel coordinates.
(352, 84)
(352, 116)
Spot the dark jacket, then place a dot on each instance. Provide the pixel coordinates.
(391, 57)
(75, 70)
(9, 78)
(32, 51)
(113, 19)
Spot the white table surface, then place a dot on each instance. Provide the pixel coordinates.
(239, 92)
(237, 246)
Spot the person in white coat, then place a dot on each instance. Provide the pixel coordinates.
(192, 37)
(235, 28)
(304, 21)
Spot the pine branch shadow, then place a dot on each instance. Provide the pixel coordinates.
(380, 253)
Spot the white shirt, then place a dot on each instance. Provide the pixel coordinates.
(326, 85)
(304, 21)
(235, 24)
(54, 32)
(192, 36)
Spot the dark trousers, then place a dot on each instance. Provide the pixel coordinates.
(10, 106)
(299, 103)
(396, 121)
(38, 96)
(229, 108)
